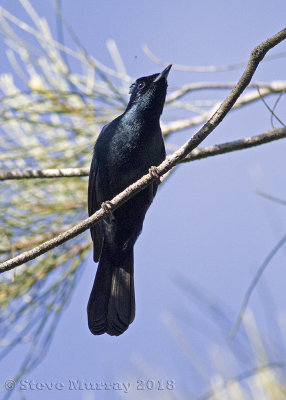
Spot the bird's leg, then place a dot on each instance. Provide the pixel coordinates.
(107, 207)
(153, 171)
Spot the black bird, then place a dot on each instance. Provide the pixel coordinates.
(125, 150)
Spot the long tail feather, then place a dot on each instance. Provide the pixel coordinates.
(111, 306)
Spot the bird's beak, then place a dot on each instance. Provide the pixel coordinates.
(163, 74)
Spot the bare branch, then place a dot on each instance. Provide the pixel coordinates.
(272, 87)
(255, 58)
(241, 144)
(44, 173)
(275, 87)
(196, 154)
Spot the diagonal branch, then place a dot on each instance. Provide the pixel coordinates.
(255, 58)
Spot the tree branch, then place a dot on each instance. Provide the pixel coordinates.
(236, 145)
(196, 154)
(255, 58)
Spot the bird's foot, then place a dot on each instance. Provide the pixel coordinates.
(153, 171)
(107, 207)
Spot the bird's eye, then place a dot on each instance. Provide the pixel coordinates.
(141, 85)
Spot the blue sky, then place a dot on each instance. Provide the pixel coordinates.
(206, 225)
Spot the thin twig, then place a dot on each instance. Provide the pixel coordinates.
(255, 58)
(241, 377)
(254, 283)
(203, 68)
(39, 36)
(270, 197)
(275, 105)
(268, 108)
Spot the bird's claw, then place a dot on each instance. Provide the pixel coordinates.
(153, 171)
(107, 207)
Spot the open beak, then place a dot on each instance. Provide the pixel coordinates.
(163, 74)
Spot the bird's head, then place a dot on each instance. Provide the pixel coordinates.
(149, 92)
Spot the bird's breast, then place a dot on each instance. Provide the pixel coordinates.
(126, 153)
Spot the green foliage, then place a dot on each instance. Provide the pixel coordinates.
(49, 119)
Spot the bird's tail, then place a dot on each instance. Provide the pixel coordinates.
(111, 305)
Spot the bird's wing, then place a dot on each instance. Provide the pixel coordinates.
(93, 205)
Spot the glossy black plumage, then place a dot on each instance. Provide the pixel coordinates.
(125, 150)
